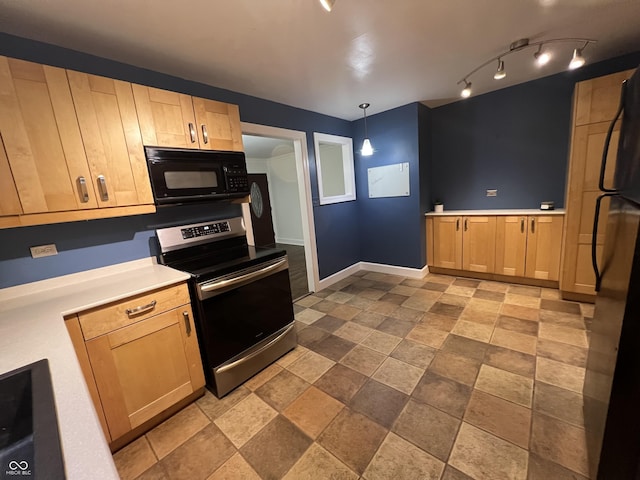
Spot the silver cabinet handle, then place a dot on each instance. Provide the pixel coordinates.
(522, 225)
(192, 132)
(187, 323)
(141, 309)
(102, 187)
(533, 225)
(457, 224)
(466, 224)
(82, 190)
(205, 134)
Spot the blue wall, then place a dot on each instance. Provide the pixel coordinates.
(515, 140)
(390, 228)
(85, 245)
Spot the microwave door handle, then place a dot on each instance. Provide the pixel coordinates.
(605, 150)
(594, 240)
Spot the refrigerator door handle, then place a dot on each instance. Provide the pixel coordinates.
(605, 150)
(594, 238)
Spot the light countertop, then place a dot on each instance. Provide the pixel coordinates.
(32, 328)
(468, 213)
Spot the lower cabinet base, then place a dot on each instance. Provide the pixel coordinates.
(577, 297)
(129, 437)
(495, 277)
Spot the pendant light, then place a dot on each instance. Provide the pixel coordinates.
(367, 149)
(327, 4)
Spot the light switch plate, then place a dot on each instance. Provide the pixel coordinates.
(44, 250)
(492, 193)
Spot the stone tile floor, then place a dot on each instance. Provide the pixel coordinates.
(440, 378)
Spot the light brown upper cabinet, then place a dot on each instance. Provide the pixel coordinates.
(111, 135)
(595, 104)
(464, 243)
(171, 119)
(42, 138)
(529, 246)
(9, 201)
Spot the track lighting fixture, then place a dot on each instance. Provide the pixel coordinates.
(500, 73)
(542, 56)
(466, 91)
(578, 60)
(367, 149)
(327, 4)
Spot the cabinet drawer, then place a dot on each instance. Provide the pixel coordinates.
(105, 319)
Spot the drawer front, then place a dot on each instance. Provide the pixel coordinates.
(105, 319)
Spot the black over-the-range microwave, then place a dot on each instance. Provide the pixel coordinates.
(183, 175)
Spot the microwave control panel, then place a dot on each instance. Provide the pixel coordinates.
(236, 176)
(205, 230)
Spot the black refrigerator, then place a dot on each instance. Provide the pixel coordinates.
(612, 378)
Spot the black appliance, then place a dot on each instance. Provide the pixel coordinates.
(612, 379)
(241, 298)
(184, 175)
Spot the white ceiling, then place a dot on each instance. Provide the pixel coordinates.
(292, 51)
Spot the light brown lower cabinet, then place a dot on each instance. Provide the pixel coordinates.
(529, 246)
(144, 367)
(494, 246)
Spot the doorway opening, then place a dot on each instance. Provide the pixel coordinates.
(280, 157)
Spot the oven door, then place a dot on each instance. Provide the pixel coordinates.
(246, 321)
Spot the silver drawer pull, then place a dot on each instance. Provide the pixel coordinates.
(82, 189)
(102, 186)
(187, 323)
(141, 309)
(205, 134)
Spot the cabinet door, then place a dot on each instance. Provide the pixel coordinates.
(479, 247)
(597, 99)
(584, 172)
(42, 138)
(166, 118)
(9, 201)
(447, 242)
(511, 245)
(111, 135)
(145, 368)
(218, 125)
(544, 243)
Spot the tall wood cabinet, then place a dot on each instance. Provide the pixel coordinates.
(595, 105)
(171, 119)
(140, 357)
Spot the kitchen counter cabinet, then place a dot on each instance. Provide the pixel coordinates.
(144, 358)
(32, 328)
(171, 119)
(519, 248)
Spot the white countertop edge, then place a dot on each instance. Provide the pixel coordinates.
(468, 213)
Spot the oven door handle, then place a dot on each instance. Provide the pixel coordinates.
(242, 360)
(217, 287)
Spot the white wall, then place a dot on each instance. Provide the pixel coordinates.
(283, 193)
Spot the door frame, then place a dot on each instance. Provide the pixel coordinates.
(301, 152)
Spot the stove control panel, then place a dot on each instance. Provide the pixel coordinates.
(204, 230)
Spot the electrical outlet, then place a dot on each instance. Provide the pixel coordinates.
(492, 193)
(44, 250)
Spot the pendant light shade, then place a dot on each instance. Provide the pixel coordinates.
(327, 4)
(367, 149)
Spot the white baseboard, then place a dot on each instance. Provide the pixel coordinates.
(290, 241)
(372, 267)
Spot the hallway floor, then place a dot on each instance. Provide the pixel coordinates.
(441, 378)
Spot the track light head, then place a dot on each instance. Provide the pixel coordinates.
(327, 4)
(500, 73)
(578, 60)
(466, 91)
(542, 58)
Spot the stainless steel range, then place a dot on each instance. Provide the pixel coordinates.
(241, 298)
